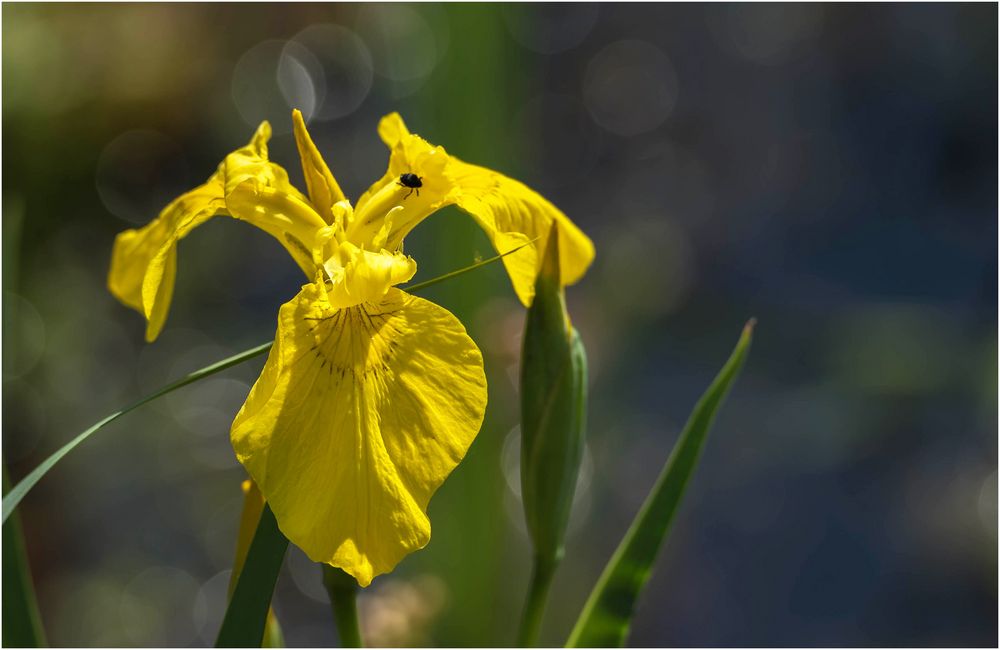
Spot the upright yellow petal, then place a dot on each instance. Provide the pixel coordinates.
(508, 211)
(358, 417)
(324, 191)
(409, 206)
(144, 260)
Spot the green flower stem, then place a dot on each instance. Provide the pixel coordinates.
(542, 573)
(343, 590)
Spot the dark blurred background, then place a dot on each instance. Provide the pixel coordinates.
(827, 169)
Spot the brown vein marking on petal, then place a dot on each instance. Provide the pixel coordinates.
(367, 358)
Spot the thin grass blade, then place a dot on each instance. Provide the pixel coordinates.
(607, 615)
(465, 269)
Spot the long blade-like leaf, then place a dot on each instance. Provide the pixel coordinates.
(12, 498)
(607, 615)
(246, 616)
(22, 624)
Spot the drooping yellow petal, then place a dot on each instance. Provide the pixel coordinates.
(151, 252)
(144, 260)
(357, 418)
(508, 211)
(324, 191)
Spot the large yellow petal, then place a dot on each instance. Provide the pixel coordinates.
(509, 212)
(357, 418)
(144, 260)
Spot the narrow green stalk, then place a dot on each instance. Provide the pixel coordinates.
(542, 573)
(343, 590)
(465, 269)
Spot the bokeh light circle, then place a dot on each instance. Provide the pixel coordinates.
(630, 87)
(344, 64)
(155, 607)
(304, 574)
(209, 606)
(659, 251)
(404, 48)
(140, 172)
(24, 334)
(300, 79)
(272, 77)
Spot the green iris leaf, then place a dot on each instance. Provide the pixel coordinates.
(22, 624)
(607, 615)
(246, 616)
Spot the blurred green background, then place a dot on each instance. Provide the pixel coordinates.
(827, 169)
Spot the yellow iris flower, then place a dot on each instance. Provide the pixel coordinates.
(370, 396)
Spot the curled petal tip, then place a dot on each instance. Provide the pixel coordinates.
(392, 129)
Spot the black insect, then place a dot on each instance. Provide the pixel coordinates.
(411, 181)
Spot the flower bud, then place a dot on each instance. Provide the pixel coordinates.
(553, 410)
